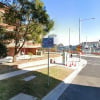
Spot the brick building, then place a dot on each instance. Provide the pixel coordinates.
(29, 47)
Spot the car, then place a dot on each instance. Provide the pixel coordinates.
(23, 57)
(6, 59)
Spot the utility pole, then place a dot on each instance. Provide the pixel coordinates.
(79, 38)
(48, 65)
(81, 20)
(69, 40)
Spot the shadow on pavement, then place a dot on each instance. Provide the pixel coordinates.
(81, 92)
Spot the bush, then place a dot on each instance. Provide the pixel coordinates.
(3, 50)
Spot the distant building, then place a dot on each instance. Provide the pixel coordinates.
(91, 47)
(28, 48)
(4, 7)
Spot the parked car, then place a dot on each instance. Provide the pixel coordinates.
(23, 57)
(6, 59)
(9, 59)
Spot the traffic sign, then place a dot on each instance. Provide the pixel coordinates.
(47, 42)
(79, 48)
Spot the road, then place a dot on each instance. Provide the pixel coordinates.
(86, 86)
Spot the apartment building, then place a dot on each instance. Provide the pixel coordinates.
(29, 47)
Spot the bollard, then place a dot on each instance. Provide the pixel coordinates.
(72, 62)
(70, 65)
(50, 60)
(75, 64)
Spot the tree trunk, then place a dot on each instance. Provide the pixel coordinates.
(14, 58)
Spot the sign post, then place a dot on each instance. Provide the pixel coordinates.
(79, 49)
(48, 43)
(48, 69)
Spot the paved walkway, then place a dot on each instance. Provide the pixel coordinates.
(25, 69)
(22, 96)
(35, 65)
(19, 72)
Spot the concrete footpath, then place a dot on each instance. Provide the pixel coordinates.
(23, 71)
(25, 67)
(39, 65)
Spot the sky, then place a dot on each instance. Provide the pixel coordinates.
(66, 14)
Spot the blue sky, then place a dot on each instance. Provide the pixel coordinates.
(66, 14)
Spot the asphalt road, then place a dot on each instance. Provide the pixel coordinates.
(86, 86)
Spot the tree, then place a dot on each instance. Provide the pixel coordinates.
(31, 21)
(5, 38)
(3, 50)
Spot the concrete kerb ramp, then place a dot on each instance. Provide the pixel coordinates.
(71, 63)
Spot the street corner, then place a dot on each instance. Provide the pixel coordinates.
(75, 63)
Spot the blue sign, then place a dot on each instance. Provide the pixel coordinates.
(47, 42)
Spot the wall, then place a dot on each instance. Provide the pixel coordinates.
(25, 50)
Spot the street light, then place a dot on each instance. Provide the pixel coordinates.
(80, 20)
(69, 40)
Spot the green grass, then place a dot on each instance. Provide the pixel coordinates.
(37, 87)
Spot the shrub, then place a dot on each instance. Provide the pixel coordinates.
(3, 50)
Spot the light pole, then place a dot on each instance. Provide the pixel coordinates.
(69, 40)
(81, 20)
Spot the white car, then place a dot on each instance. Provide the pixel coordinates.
(9, 59)
(6, 59)
(23, 57)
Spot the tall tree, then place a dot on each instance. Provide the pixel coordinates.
(31, 21)
(5, 38)
(3, 50)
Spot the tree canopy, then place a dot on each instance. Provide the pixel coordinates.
(30, 19)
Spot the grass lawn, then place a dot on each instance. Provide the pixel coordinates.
(37, 87)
